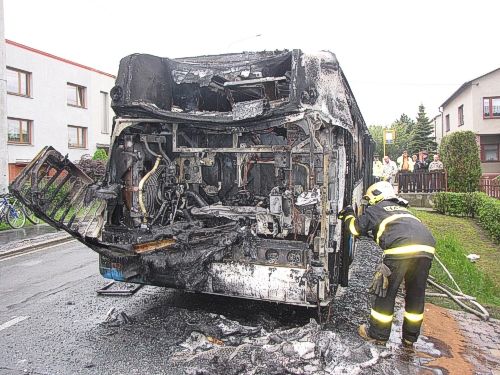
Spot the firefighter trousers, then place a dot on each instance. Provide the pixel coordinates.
(414, 272)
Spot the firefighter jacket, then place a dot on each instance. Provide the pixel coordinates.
(400, 234)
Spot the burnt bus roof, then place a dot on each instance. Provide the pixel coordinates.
(235, 88)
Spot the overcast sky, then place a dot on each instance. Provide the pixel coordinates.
(395, 54)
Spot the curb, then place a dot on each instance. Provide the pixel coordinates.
(36, 246)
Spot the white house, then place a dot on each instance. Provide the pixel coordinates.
(53, 101)
(437, 133)
(475, 106)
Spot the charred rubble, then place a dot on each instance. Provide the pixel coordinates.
(225, 176)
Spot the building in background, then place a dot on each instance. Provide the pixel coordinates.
(53, 101)
(475, 106)
(3, 108)
(438, 129)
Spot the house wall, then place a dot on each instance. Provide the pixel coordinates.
(438, 129)
(465, 99)
(48, 109)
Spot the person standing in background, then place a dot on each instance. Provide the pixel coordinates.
(405, 163)
(436, 167)
(405, 166)
(436, 164)
(415, 181)
(414, 158)
(389, 170)
(377, 168)
(423, 164)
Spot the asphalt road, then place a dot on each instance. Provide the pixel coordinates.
(53, 322)
(51, 319)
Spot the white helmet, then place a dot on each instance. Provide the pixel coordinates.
(380, 191)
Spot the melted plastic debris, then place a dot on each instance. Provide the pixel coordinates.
(301, 350)
(197, 342)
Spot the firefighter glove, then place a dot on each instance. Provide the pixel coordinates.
(345, 212)
(380, 280)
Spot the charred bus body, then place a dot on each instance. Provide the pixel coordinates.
(225, 176)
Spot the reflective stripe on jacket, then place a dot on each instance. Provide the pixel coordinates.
(395, 229)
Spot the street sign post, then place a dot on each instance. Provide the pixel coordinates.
(389, 137)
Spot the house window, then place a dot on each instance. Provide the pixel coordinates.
(18, 82)
(104, 113)
(76, 95)
(77, 136)
(491, 107)
(489, 153)
(19, 131)
(460, 115)
(447, 121)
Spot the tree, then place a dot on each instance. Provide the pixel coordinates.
(403, 127)
(376, 132)
(421, 137)
(459, 153)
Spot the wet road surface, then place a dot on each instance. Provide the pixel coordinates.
(53, 322)
(32, 231)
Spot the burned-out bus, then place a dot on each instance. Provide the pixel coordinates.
(225, 176)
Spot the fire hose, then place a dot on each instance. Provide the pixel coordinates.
(456, 294)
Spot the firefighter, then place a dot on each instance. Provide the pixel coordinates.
(408, 249)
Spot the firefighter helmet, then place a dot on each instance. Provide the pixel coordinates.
(379, 191)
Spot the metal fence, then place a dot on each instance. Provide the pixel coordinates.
(490, 187)
(422, 182)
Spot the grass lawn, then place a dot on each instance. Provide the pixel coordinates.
(5, 226)
(456, 238)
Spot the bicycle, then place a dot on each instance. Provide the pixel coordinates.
(12, 213)
(30, 215)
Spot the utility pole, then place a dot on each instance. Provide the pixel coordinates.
(4, 181)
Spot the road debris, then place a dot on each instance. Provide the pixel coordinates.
(115, 318)
(473, 257)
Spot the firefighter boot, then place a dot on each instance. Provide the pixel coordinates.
(407, 343)
(363, 332)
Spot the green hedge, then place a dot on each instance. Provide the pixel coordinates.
(478, 205)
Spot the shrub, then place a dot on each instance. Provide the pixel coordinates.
(460, 155)
(100, 154)
(456, 204)
(488, 214)
(479, 205)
